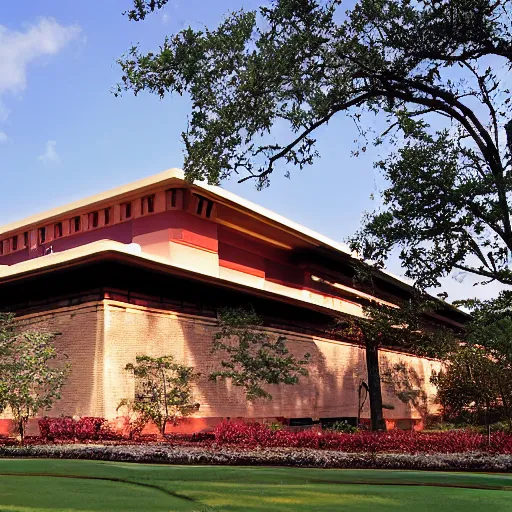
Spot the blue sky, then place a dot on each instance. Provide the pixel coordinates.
(63, 135)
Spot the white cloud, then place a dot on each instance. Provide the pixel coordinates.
(18, 49)
(3, 137)
(50, 156)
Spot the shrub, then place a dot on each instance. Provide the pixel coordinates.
(89, 428)
(343, 426)
(84, 429)
(395, 441)
(57, 428)
(44, 428)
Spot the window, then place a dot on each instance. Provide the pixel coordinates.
(199, 207)
(106, 216)
(209, 207)
(126, 210)
(42, 235)
(204, 207)
(94, 220)
(1, 247)
(57, 230)
(172, 198)
(148, 204)
(75, 224)
(14, 243)
(25, 239)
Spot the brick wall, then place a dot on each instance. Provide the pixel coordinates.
(81, 339)
(330, 390)
(100, 338)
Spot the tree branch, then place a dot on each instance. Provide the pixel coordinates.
(305, 133)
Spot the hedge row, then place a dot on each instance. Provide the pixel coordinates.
(84, 429)
(88, 428)
(397, 441)
(248, 435)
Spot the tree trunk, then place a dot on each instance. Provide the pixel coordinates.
(21, 428)
(374, 388)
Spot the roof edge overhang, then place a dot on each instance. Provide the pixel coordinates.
(176, 176)
(118, 193)
(131, 254)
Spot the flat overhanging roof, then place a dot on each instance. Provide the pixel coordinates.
(167, 178)
(176, 177)
(105, 250)
(132, 254)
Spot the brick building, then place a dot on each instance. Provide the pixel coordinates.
(142, 269)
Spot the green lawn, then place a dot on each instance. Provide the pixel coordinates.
(72, 485)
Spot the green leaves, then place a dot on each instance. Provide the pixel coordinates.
(477, 378)
(30, 381)
(421, 67)
(141, 8)
(163, 390)
(411, 327)
(253, 357)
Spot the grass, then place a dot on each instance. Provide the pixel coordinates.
(81, 486)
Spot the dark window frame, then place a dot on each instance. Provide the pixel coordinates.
(76, 224)
(126, 210)
(57, 230)
(41, 232)
(199, 206)
(94, 220)
(172, 195)
(148, 204)
(204, 207)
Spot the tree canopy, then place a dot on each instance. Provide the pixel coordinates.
(253, 358)
(431, 71)
(476, 381)
(163, 391)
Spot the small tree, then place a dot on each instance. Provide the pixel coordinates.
(469, 386)
(253, 357)
(162, 390)
(478, 377)
(29, 382)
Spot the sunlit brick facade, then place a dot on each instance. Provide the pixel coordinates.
(144, 268)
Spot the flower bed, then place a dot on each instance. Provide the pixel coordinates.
(256, 435)
(394, 441)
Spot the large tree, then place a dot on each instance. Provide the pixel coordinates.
(301, 62)
(431, 71)
(410, 328)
